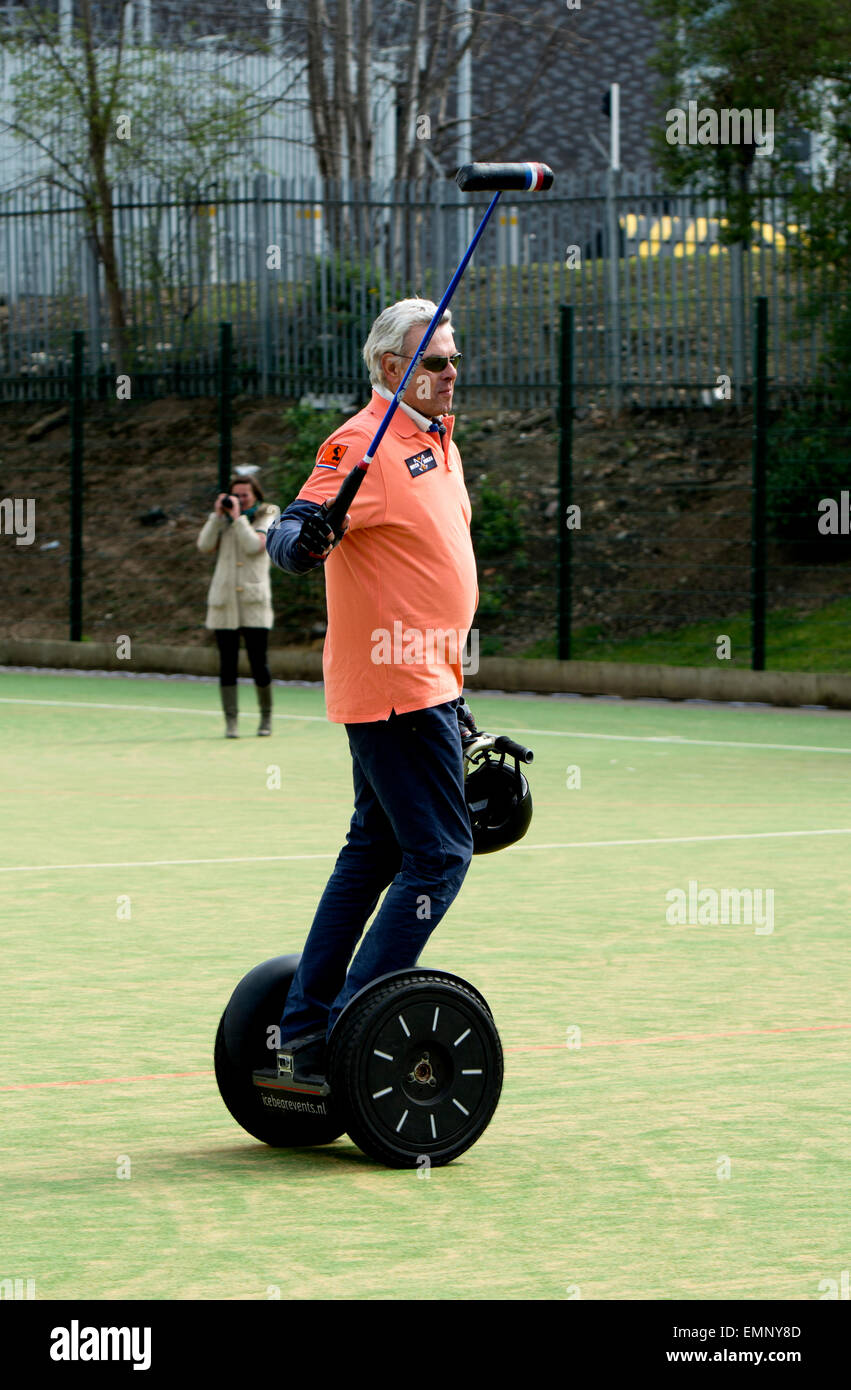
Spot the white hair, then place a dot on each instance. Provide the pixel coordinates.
(390, 330)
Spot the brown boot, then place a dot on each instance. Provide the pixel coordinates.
(231, 709)
(264, 700)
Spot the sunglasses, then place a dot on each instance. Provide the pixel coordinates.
(433, 364)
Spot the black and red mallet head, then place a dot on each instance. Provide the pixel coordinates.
(504, 178)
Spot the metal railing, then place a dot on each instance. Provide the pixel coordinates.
(301, 270)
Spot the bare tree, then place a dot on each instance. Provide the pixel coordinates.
(422, 41)
(99, 110)
(410, 54)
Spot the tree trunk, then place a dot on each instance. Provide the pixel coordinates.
(114, 289)
(102, 214)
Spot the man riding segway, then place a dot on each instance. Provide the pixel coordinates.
(407, 1061)
(407, 559)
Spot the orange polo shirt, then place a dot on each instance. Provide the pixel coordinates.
(401, 585)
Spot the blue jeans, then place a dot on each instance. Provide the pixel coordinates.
(411, 830)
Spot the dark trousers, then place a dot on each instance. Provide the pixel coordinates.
(410, 830)
(256, 644)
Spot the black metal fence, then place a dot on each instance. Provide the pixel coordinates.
(720, 533)
(716, 535)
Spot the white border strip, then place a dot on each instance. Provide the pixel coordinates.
(674, 739)
(287, 858)
(154, 709)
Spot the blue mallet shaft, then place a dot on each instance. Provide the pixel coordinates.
(336, 512)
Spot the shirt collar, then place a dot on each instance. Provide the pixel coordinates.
(421, 421)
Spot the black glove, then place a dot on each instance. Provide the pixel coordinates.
(316, 540)
(466, 721)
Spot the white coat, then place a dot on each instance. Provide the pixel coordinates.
(240, 593)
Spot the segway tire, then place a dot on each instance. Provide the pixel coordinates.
(416, 1068)
(281, 1119)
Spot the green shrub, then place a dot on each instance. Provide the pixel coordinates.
(492, 598)
(299, 602)
(497, 527)
(307, 429)
(809, 455)
(338, 305)
(491, 645)
(808, 461)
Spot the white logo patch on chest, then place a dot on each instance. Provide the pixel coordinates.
(421, 463)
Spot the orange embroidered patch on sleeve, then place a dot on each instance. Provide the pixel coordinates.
(331, 456)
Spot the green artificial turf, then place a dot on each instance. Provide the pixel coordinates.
(689, 1143)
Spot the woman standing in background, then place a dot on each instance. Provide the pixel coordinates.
(240, 596)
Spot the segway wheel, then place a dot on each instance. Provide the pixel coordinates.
(245, 1045)
(416, 1067)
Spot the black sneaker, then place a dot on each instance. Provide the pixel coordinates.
(304, 1059)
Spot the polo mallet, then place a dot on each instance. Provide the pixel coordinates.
(472, 178)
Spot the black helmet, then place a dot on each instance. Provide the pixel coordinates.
(498, 798)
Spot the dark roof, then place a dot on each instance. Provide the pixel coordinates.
(605, 41)
(541, 59)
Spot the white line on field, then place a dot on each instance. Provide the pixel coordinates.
(675, 739)
(154, 709)
(162, 863)
(689, 839)
(542, 733)
(285, 858)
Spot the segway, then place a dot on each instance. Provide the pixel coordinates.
(415, 1062)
